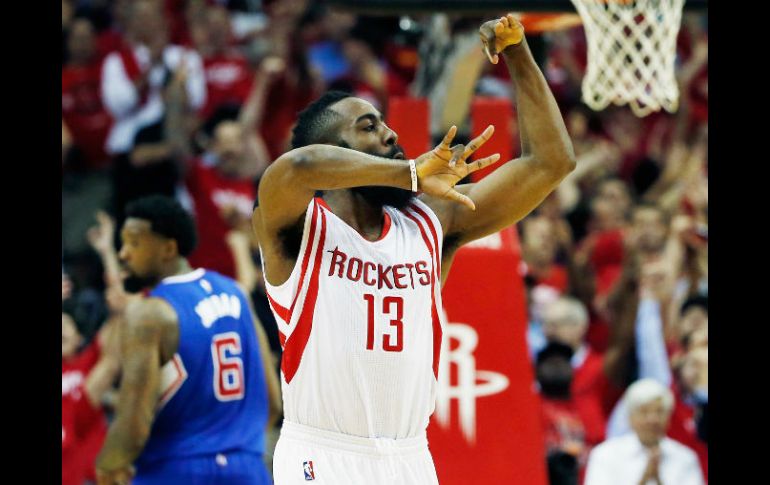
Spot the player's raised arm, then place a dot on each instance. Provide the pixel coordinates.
(146, 321)
(290, 182)
(516, 188)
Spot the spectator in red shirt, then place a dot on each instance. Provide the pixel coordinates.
(545, 278)
(687, 375)
(599, 376)
(689, 422)
(82, 110)
(539, 251)
(87, 373)
(133, 77)
(692, 321)
(228, 75)
(566, 322)
(597, 260)
(649, 228)
(688, 380)
(86, 184)
(289, 34)
(562, 422)
(600, 252)
(222, 182)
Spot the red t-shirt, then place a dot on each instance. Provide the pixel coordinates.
(556, 277)
(83, 426)
(284, 102)
(607, 259)
(594, 396)
(228, 80)
(109, 41)
(83, 112)
(564, 429)
(683, 429)
(212, 192)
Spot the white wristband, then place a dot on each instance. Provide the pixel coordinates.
(413, 173)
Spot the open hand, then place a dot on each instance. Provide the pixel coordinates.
(102, 236)
(441, 168)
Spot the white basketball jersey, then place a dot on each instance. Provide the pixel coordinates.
(360, 324)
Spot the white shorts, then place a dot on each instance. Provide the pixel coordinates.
(308, 456)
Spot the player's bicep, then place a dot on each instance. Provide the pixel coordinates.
(502, 199)
(141, 362)
(282, 195)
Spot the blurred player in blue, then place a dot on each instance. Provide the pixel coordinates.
(197, 383)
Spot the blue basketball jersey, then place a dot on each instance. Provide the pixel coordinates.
(214, 396)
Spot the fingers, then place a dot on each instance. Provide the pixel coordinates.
(483, 163)
(476, 143)
(103, 219)
(457, 154)
(492, 57)
(488, 41)
(447, 141)
(456, 196)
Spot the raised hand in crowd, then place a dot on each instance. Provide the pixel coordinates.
(102, 239)
(66, 286)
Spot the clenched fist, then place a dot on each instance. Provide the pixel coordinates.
(500, 33)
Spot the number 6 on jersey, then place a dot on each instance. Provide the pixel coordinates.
(228, 370)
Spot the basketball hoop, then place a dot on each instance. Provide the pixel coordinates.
(631, 53)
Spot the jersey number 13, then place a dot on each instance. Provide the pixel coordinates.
(392, 306)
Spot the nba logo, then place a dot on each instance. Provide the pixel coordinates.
(308, 468)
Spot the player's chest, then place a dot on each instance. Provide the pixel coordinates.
(398, 266)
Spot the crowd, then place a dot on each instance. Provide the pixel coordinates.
(195, 98)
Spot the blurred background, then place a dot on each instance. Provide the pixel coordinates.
(607, 281)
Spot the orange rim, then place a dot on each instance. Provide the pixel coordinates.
(535, 23)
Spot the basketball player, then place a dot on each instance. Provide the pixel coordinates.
(193, 401)
(354, 273)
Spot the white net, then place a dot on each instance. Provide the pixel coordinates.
(631, 53)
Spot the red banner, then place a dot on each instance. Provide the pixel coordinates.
(486, 427)
(499, 113)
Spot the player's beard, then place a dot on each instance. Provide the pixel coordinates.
(378, 196)
(135, 284)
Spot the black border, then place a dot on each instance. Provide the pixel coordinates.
(31, 263)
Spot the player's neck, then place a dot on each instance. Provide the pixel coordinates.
(178, 267)
(357, 212)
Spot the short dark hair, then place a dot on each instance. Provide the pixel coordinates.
(168, 218)
(77, 313)
(554, 349)
(698, 300)
(315, 122)
(69, 306)
(225, 112)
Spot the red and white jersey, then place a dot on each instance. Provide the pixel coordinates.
(360, 324)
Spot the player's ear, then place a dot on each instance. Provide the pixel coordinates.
(170, 249)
